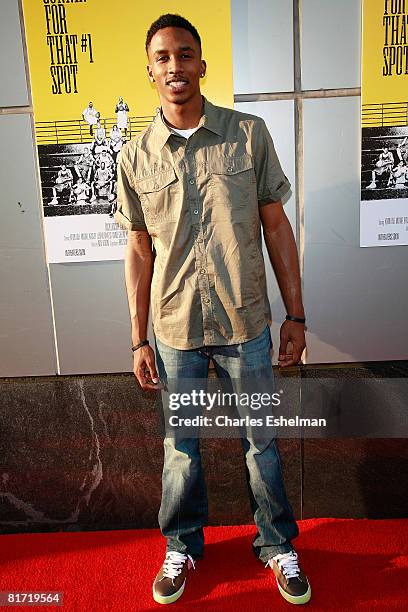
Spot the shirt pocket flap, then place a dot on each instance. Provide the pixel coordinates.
(231, 165)
(156, 182)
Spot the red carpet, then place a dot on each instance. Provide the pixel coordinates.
(352, 565)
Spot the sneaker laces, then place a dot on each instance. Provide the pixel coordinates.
(173, 564)
(287, 563)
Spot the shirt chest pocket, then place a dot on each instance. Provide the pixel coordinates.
(159, 195)
(232, 183)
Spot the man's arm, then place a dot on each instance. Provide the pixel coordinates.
(138, 275)
(283, 255)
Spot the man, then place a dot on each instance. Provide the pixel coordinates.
(63, 186)
(102, 185)
(91, 116)
(399, 175)
(402, 150)
(199, 182)
(115, 141)
(384, 164)
(99, 143)
(105, 158)
(81, 191)
(121, 110)
(85, 164)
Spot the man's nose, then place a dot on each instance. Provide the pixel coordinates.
(174, 65)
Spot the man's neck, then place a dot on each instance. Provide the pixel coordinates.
(184, 116)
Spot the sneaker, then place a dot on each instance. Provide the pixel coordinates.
(292, 582)
(169, 583)
(372, 185)
(53, 202)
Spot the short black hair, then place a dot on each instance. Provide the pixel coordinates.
(171, 21)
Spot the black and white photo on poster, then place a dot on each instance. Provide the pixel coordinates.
(78, 166)
(384, 163)
(78, 161)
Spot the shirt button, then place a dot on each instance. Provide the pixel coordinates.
(230, 169)
(195, 212)
(156, 186)
(191, 181)
(206, 300)
(202, 271)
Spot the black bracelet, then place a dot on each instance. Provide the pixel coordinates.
(295, 319)
(137, 346)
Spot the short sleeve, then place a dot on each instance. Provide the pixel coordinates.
(129, 213)
(272, 184)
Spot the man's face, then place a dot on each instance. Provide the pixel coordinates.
(175, 64)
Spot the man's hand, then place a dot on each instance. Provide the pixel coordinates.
(144, 368)
(292, 343)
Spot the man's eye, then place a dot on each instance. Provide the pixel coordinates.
(185, 55)
(163, 57)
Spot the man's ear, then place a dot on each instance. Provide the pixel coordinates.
(203, 67)
(150, 73)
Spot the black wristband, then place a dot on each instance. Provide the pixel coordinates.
(137, 346)
(295, 319)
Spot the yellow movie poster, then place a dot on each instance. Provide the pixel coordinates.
(384, 116)
(91, 94)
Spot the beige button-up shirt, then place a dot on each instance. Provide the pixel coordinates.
(199, 199)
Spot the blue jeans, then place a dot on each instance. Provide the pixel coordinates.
(184, 510)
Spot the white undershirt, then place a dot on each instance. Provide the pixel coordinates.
(183, 133)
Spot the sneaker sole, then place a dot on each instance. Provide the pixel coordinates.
(162, 599)
(293, 599)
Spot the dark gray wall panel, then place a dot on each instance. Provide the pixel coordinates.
(356, 299)
(331, 39)
(355, 478)
(13, 90)
(95, 441)
(27, 342)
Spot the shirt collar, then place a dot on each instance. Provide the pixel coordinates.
(208, 121)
